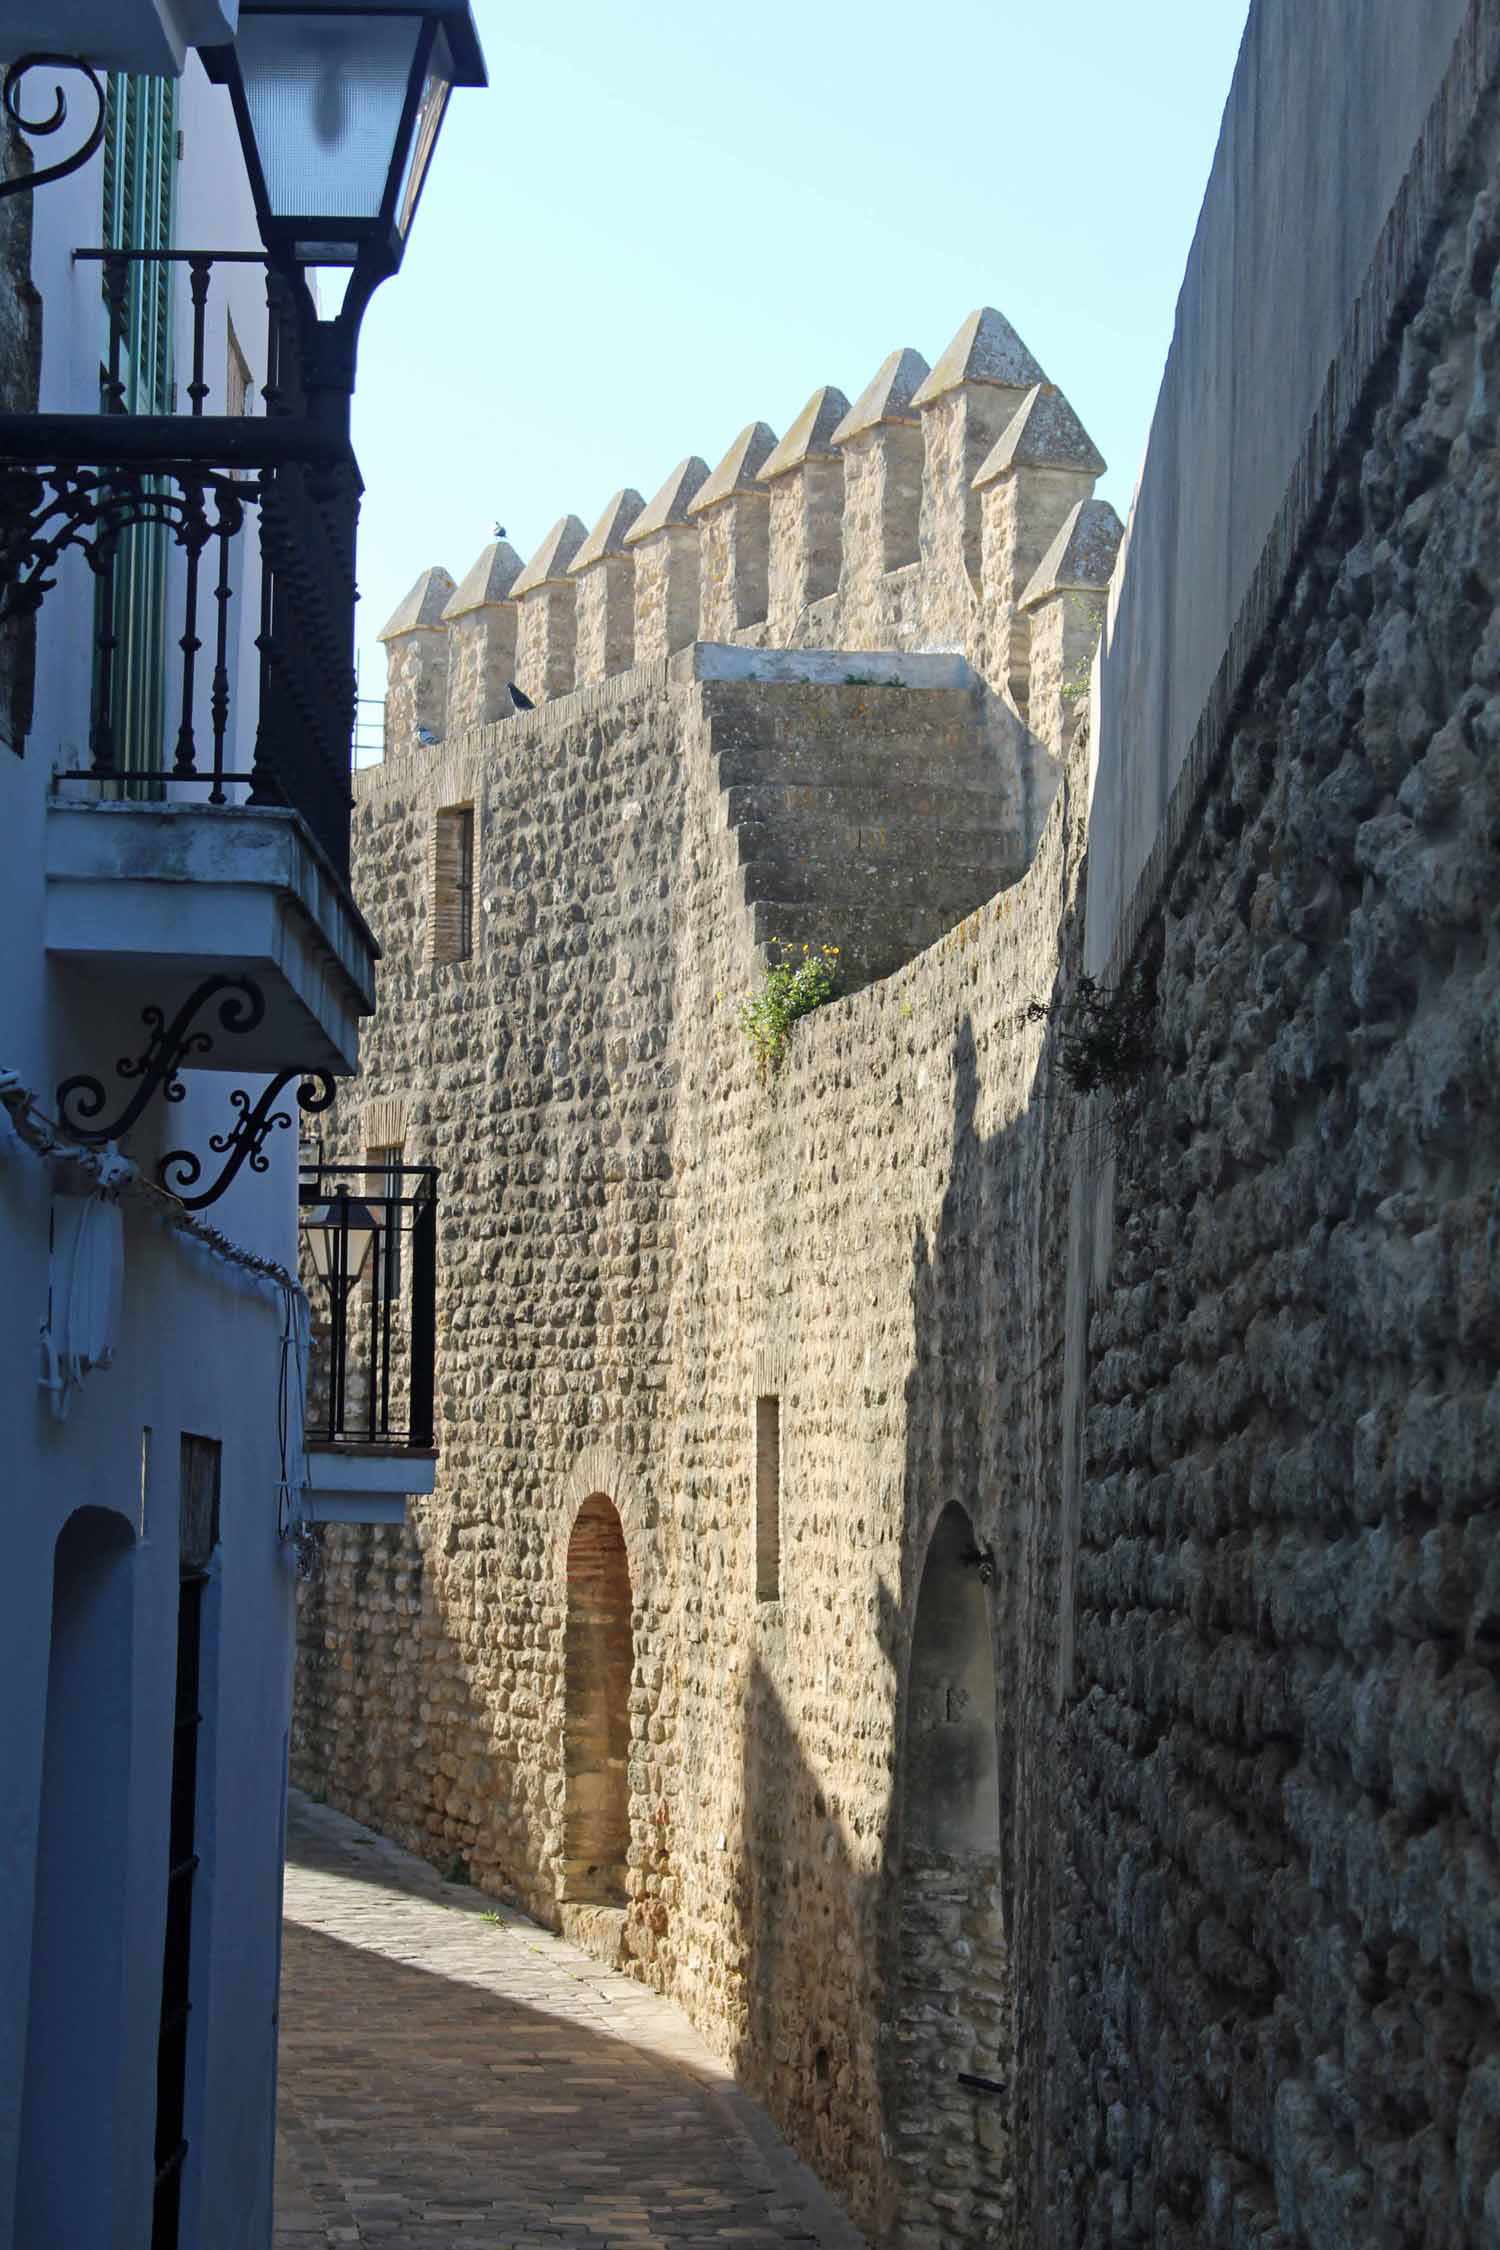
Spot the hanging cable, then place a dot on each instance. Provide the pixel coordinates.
(119, 1176)
(116, 1177)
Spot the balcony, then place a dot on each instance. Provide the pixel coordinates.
(369, 1263)
(208, 831)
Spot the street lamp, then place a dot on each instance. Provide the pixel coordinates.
(340, 1236)
(338, 106)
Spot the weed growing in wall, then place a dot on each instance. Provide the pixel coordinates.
(1106, 1035)
(793, 987)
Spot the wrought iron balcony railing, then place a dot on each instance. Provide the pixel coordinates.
(369, 1261)
(92, 482)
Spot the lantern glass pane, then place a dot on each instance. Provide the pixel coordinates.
(436, 87)
(360, 1239)
(326, 95)
(317, 1232)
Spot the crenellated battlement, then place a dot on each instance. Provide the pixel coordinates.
(950, 506)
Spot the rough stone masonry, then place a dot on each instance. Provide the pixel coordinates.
(1071, 1804)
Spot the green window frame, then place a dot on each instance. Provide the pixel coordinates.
(139, 174)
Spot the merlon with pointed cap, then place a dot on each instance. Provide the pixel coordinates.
(549, 565)
(1081, 557)
(670, 504)
(740, 467)
(1043, 433)
(810, 436)
(985, 350)
(424, 605)
(887, 397)
(608, 534)
(487, 581)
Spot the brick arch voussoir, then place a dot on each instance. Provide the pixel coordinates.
(600, 1469)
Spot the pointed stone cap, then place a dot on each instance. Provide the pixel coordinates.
(1081, 557)
(985, 350)
(549, 565)
(424, 605)
(739, 468)
(670, 504)
(608, 534)
(810, 436)
(487, 583)
(887, 397)
(1043, 433)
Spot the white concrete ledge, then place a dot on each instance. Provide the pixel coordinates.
(145, 901)
(366, 1483)
(151, 36)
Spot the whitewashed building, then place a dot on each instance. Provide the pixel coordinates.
(182, 961)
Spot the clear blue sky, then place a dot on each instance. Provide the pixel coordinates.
(660, 223)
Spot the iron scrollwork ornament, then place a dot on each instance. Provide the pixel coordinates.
(81, 1101)
(35, 128)
(45, 510)
(244, 1141)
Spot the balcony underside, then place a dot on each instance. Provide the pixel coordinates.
(366, 1483)
(144, 901)
(153, 37)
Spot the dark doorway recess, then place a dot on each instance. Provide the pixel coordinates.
(599, 1660)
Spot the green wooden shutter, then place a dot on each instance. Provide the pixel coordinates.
(140, 151)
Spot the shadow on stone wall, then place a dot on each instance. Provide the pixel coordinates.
(966, 1930)
(874, 1977)
(806, 1911)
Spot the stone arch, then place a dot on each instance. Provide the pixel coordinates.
(599, 1468)
(78, 1910)
(950, 1781)
(598, 1664)
(949, 2097)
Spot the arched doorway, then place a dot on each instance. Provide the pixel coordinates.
(599, 1658)
(65, 2181)
(952, 1783)
(951, 2064)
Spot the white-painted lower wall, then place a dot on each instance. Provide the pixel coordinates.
(199, 1352)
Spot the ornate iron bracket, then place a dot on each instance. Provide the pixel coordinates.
(244, 1141)
(46, 509)
(81, 1100)
(37, 127)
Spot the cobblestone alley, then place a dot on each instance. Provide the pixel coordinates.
(451, 2074)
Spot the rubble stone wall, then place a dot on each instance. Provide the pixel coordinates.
(1277, 2005)
(1227, 1975)
(640, 1239)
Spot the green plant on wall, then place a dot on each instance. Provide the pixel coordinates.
(1107, 1035)
(1078, 685)
(794, 985)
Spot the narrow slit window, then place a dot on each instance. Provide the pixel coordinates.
(453, 885)
(768, 1499)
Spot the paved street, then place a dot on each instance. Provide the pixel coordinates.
(452, 2074)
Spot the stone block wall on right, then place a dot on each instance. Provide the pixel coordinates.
(1165, 1418)
(1275, 2012)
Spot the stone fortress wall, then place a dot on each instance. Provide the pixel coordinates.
(643, 1246)
(949, 508)
(1048, 1535)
